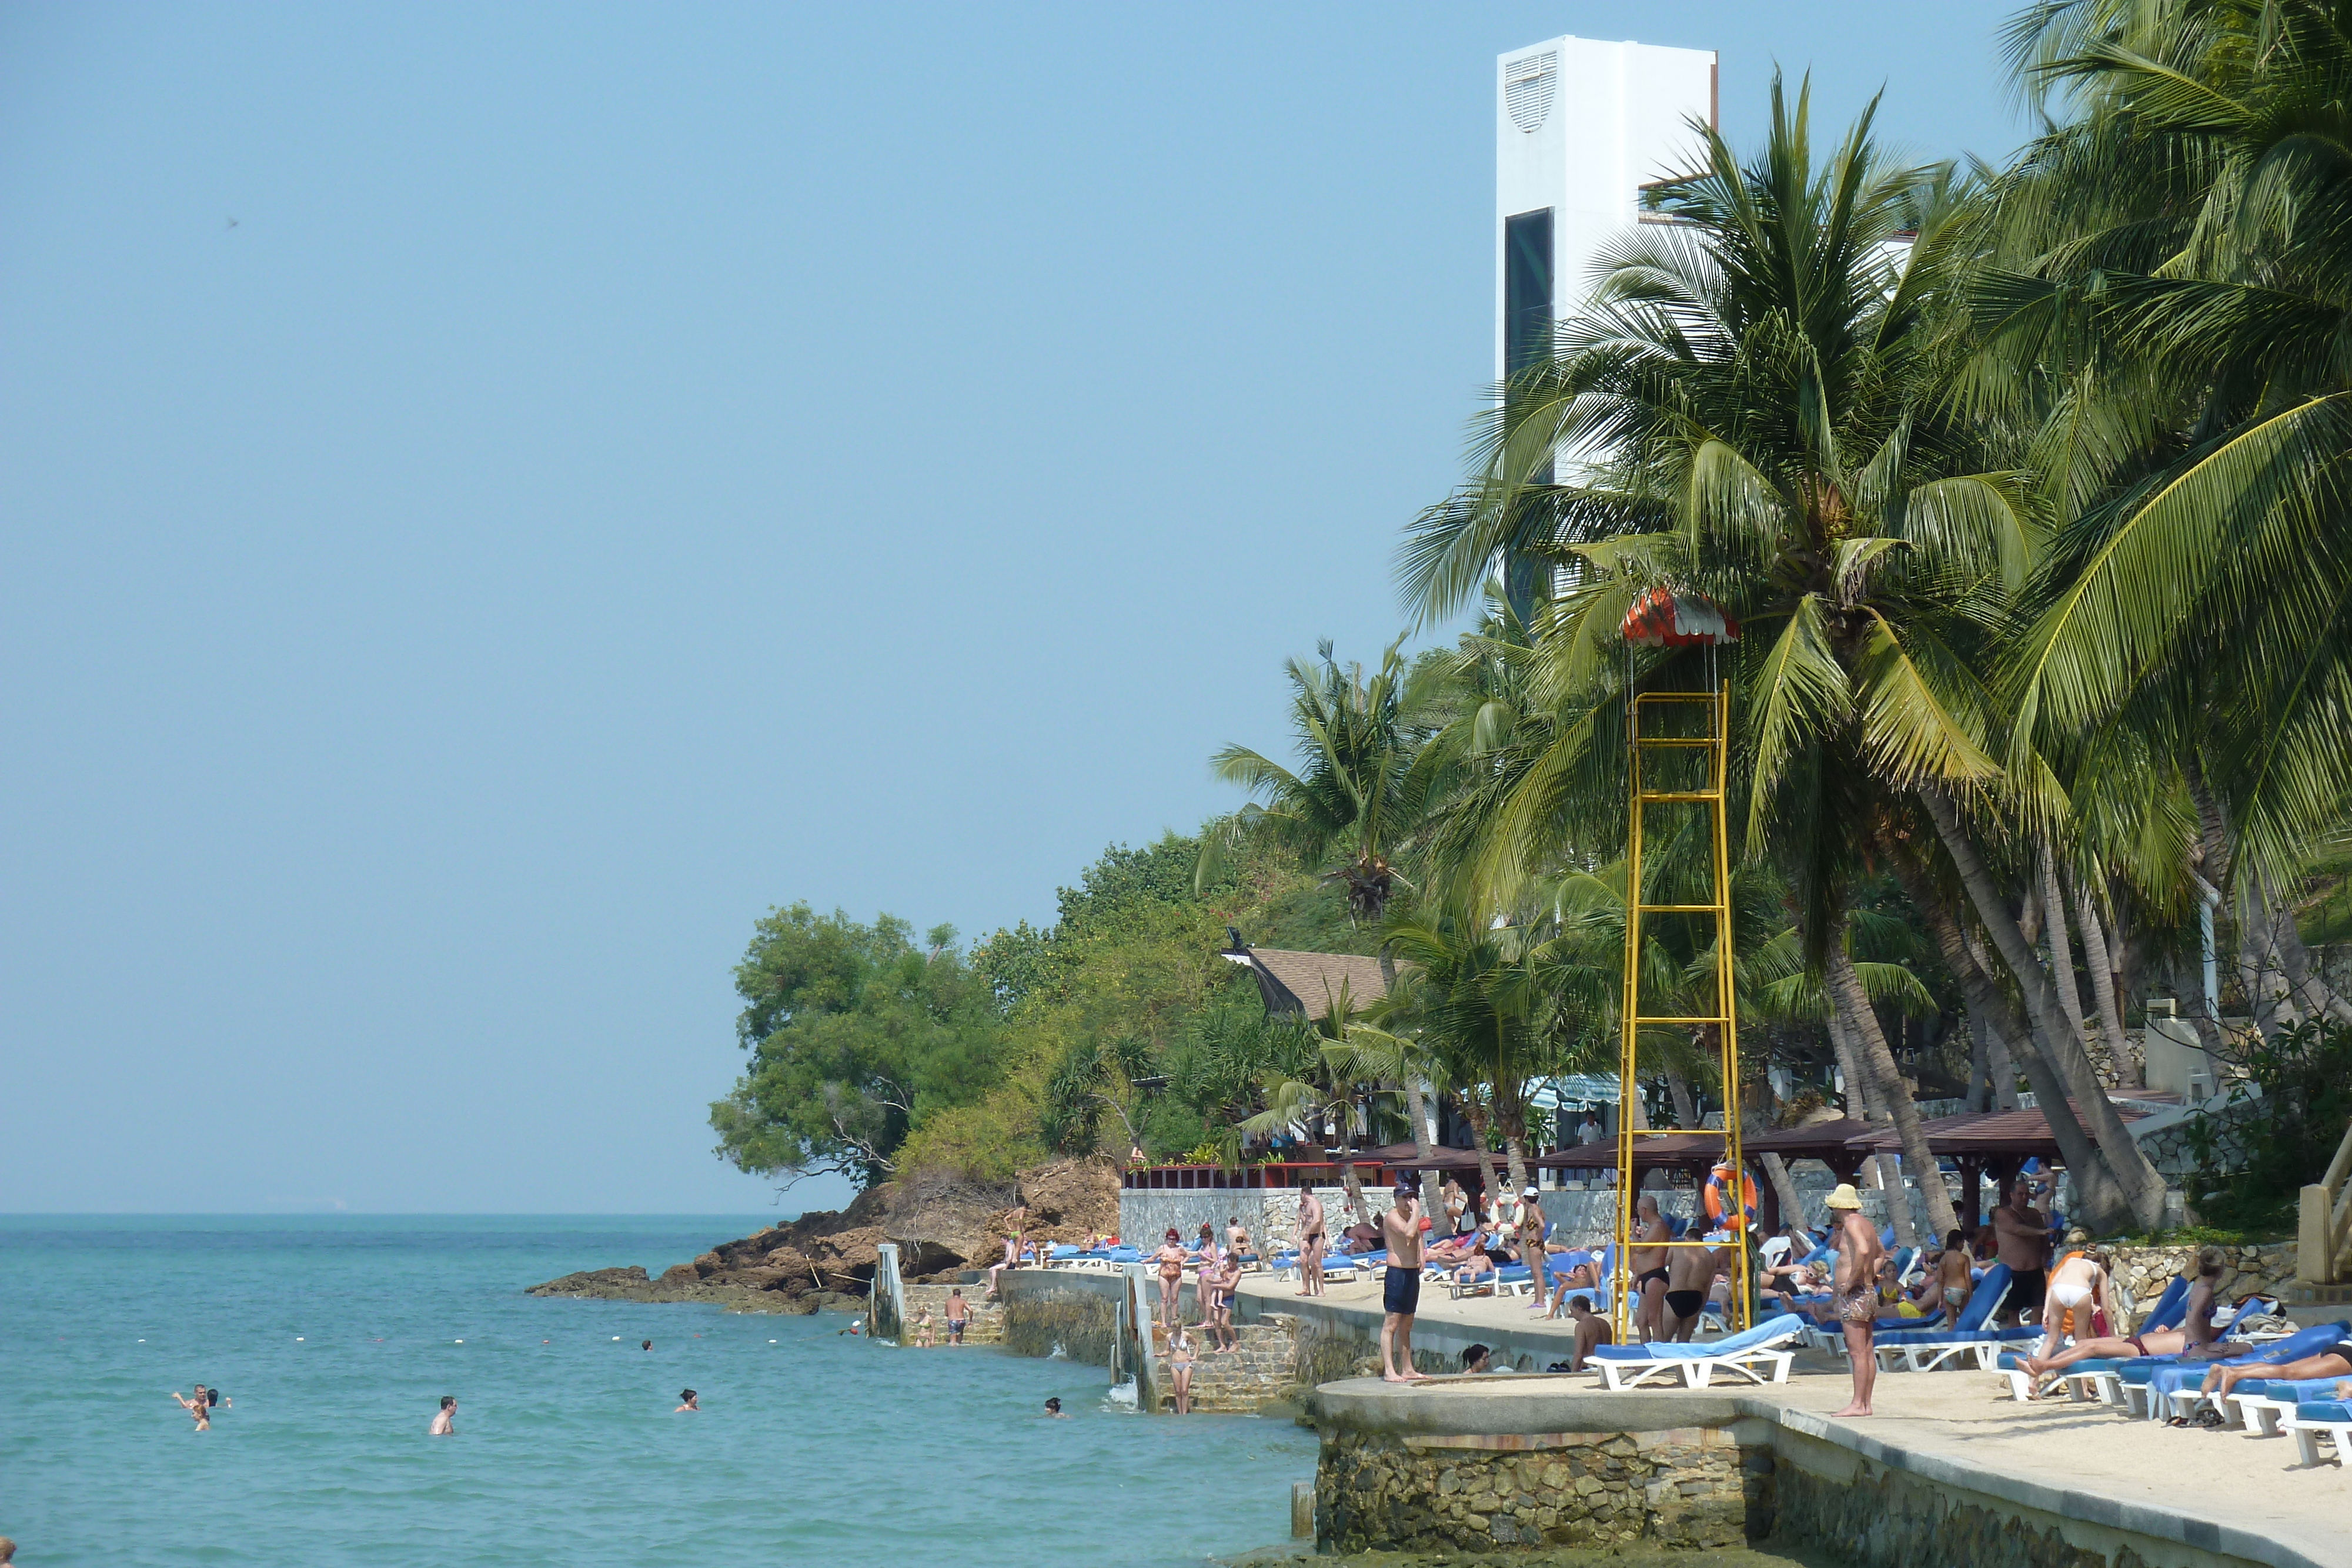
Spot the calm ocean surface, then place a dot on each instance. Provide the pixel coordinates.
(336, 1337)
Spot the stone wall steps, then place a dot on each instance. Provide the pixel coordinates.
(987, 1321)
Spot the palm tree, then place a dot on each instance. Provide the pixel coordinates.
(1365, 777)
(1759, 386)
(2175, 259)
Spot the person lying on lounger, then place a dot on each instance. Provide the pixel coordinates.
(2336, 1361)
(2196, 1335)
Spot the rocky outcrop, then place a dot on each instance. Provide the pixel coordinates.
(942, 1223)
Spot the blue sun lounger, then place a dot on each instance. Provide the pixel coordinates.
(1924, 1350)
(2331, 1418)
(2096, 1379)
(2148, 1386)
(2262, 1403)
(1754, 1353)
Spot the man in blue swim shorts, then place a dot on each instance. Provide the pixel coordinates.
(1400, 1289)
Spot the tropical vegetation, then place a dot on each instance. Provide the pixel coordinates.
(2027, 487)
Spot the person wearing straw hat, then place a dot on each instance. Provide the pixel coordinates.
(1853, 1291)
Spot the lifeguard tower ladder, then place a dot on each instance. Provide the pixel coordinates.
(1663, 617)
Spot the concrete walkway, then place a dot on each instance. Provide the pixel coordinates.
(2058, 1456)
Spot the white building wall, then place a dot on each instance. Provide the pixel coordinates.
(1613, 118)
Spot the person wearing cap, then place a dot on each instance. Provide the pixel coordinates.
(1171, 1259)
(1531, 1240)
(1853, 1291)
(1401, 1287)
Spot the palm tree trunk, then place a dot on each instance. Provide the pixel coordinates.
(1685, 1108)
(1862, 1023)
(1776, 1171)
(1980, 1065)
(1478, 1121)
(1416, 1107)
(2098, 958)
(2096, 1190)
(1515, 1152)
(1792, 1202)
(2070, 1070)
(1866, 1094)
(2062, 957)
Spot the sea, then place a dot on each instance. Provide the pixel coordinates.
(334, 1337)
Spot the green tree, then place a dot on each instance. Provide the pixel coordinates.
(857, 1034)
(1365, 777)
(1757, 390)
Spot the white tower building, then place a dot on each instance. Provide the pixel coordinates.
(1580, 128)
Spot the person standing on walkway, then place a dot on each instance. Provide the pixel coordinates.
(1532, 1241)
(1647, 1259)
(1400, 1289)
(1310, 1243)
(1171, 1259)
(1854, 1293)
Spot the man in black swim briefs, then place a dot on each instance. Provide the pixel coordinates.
(1400, 1289)
(1649, 1266)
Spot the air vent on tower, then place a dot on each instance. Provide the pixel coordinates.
(1528, 87)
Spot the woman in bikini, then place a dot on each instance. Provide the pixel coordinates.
(2078, 1286)
(1952, 1281)
(1179, 1370)
(1171, 1259)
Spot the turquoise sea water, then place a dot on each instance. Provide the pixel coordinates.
(335, 1337)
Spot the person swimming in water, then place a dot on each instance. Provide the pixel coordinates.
(444, 1423)
(1054, 1410)
(200, 1406)
(692, 1401)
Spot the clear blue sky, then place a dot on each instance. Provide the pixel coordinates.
(623, 467)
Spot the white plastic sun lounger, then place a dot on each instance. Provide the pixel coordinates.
(1752, 1353)
(2310, 1422)
(1927, 1350)
(2261, 1403)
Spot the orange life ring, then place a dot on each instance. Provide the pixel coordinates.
(1715, 1196)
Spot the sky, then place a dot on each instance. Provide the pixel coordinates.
(493, 498)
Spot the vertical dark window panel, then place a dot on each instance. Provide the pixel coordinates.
(1526, 290)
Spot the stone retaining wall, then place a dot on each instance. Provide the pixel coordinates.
(1686, 1487)
(1881, 1520)
(1043, 1315)
(2144, 1271)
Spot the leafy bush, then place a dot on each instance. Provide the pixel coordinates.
(2249, 1173)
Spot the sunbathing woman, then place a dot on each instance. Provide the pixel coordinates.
(2194, 1336)
(1949, 1280)
(2336, 1361)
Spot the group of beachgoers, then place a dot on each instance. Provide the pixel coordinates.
(1219, 1274)
(925, 1330)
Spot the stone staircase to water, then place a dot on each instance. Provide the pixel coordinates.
(987, 1323)
(1239, 1380)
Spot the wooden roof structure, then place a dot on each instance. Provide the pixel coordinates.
(1987, 1134)
(1652, 1152)
(1311, 985)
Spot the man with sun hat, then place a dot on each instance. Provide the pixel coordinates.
(1853, 1291)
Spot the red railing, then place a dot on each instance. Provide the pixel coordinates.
(1271, 1174)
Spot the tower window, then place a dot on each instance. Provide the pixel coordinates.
(1526, 290)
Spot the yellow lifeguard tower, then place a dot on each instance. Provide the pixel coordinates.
(1678, 754)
